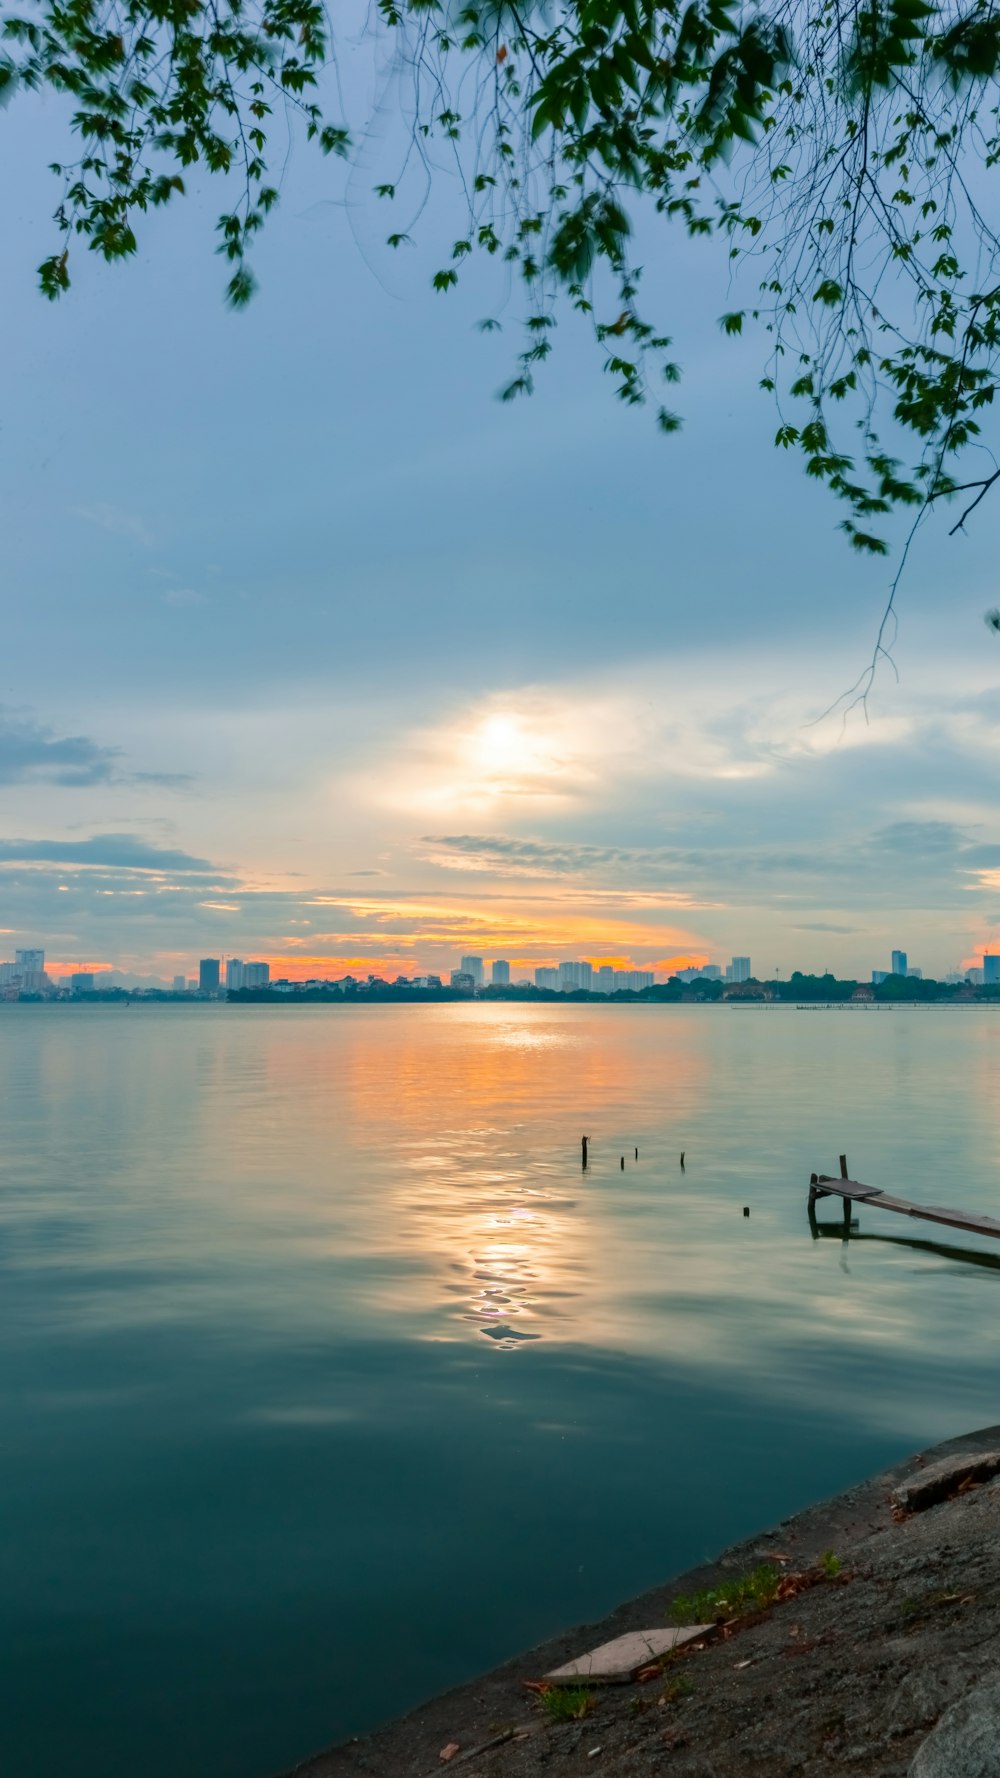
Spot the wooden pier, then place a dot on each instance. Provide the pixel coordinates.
(852, 1191)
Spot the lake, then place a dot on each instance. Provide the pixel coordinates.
(329, 1379)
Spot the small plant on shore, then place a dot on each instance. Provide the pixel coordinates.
(675, 1689)
(568, 1703)
(830, 1564)
(738, 1597)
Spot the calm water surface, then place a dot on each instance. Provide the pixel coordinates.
(328, 1380)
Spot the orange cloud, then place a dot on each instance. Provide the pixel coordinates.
(304, 969)
(58, 969)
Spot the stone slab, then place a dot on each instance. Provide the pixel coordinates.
(616, 1662)
(938, 1481)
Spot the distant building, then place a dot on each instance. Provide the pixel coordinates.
(878, 975)
(256, 975)
(208, 975)
(575, 973)
(604, 979)
(712, 972)
(464, 980)
(28, 972)
(977, 977)
(991, 967)
(82, 982)
(500, 973)
(915, 975)
(180, 985)
(632, 981)
(738, 970)
(472, 966)
(234, 974)
(899, 962)
(546, 978)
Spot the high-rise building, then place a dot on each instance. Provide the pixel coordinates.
(180, 985)
(82, 982)
(29, 962)
(500, 973)
(575, 973)
(632, 981)
(234, 974)
(878, 975)
(256, 975)
(605, 979)
(208, 975)
(546, 978)
(472, 966)
(463, 979)
(712, 972)
(915, 975)
(899, 962)
(991, 966)
(738, 970)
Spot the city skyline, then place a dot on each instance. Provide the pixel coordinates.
(29, 973)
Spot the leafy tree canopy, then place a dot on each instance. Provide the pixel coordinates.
(844, 148)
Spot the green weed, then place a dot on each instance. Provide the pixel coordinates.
(678, 1687)
(568, 1703)
(830, 1564)
(735, 1598)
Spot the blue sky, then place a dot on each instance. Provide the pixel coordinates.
(314, 650)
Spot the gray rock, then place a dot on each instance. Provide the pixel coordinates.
(966, 1742)
(939, 1480)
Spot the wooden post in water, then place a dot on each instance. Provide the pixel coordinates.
(847, 1202)
(682, 1160)
(623, 1163)
(637, 1154)
(583, 1151)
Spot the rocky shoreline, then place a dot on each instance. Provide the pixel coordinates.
(880, 1655)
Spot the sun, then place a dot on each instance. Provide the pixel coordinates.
(501, 745)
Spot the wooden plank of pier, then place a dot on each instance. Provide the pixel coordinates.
(853, 1191)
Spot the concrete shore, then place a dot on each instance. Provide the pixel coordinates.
(884, 1664)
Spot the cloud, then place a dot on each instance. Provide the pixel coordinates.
(119, 523)
(184, 595)
(32, 752)
(116, 851)
(823, 926)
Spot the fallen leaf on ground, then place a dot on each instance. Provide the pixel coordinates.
(449, 1752)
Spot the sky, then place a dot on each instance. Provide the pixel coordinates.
(315, 651)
